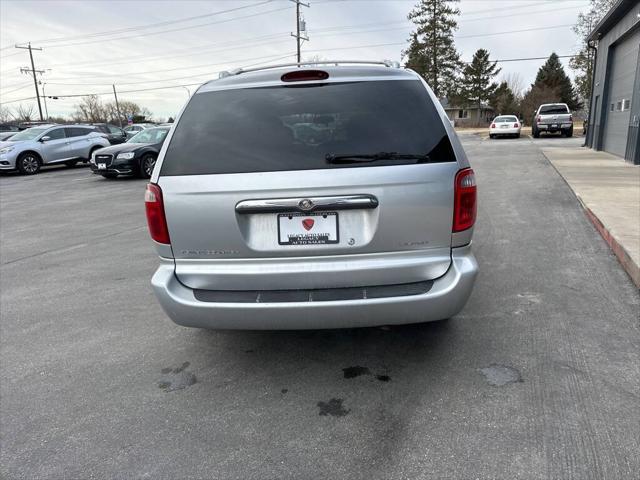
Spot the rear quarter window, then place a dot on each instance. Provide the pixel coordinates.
(294, 127)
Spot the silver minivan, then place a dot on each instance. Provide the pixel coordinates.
(308, 196)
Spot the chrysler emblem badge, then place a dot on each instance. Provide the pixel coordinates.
(305, 204)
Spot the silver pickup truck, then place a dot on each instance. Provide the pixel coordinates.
(552, 117)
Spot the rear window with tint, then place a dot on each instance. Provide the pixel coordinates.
(295, 127)
(553, 109)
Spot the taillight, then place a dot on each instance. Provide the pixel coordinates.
(493, 125)
(571, 118)
(464, 204)
(155, 214)
(516, 125)
(539, 119)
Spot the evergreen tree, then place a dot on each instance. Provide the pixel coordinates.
(475, 85)
(552, 76)
(503, 101)
(431, 50)
(582, 63)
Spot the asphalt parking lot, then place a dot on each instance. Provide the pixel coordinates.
(538, 377)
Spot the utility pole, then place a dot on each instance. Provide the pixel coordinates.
(117, 105)
(299, 38)
(33, 71)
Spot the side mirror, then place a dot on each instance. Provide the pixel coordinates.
(45, 138)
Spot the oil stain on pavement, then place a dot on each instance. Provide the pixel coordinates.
(357, 371)
(353, 372)
(176, 378)
(500, 375)
(333, 407)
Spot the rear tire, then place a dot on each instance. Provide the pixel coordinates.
(491, 135)
(569, 133)
(28, 163)
(517, 135)
(536, 133)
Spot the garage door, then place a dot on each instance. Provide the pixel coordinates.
(623, 70)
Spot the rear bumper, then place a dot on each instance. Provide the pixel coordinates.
(554, 127)
(504, 131)
(445, 298)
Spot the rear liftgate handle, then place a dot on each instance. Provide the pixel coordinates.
(310, 204)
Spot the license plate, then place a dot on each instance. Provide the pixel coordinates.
(504, 126)
(308, 229)
(102, 166)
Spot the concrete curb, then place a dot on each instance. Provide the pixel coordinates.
(632, 269)
(623, 256)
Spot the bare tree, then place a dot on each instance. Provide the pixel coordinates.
(5, 114)
(315, 58)
(515, 83)
(127, 109)
(90, 109)
(24, 113)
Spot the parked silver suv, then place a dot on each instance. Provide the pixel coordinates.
(299, 198)
(28, 150)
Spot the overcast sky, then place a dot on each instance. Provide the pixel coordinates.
(172, 43)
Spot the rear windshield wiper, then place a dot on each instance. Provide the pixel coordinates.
(372, 157)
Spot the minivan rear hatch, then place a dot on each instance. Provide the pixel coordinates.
(315, 185)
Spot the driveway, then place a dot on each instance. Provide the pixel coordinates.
(538, 377)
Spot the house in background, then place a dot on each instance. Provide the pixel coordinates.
(615, 101)
(469, 115)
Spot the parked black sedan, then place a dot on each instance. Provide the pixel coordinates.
(114, 134)
(137, 156)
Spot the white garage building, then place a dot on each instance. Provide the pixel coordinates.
(615, 103)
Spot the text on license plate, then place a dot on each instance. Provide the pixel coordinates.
(308, 229)
(102, 166)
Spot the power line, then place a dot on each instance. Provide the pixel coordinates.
(18, 100)
(134, 59)
(173, 29)
(269, 57)
(98, 74)
(16, 89)
(528, 58)
(515, 31)
(144, 58)
(154, 88)
(200, 83)
(150, 25)
(206, 65)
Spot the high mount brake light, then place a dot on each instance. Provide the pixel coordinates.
(304, 76)
(465, 204)
(155, 214)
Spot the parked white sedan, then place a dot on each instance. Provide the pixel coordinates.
(507, 125)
